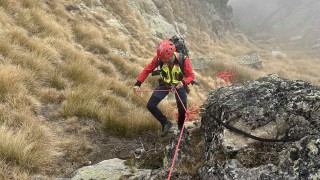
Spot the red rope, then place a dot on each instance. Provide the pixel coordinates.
(226, 75)
(181, 132)
(182, 129)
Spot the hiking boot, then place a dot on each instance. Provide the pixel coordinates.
(165, 128)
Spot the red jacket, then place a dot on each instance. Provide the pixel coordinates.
(188, 71)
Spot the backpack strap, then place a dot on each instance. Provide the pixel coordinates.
(160, 63)
(181, 60)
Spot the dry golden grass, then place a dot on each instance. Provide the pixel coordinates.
(5, 47)
(80, 71)
(30, 3)
(118, 61)
(66, 50)
(40, 67)
(12, 172)
(36, 46)
(165, 10)
(82, 102)
(12, 80)
(39, 22)
(51, 95)
(5, 3)
(120, 42)
(56, 80)
(59, 10)
(30, 146)
(128, 122)
(233, 47)
(302, 69)
(5, 18)
(107, 68)
(90, 37)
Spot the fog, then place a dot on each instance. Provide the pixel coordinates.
(277, 16)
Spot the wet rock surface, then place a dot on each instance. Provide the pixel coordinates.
(270, 107)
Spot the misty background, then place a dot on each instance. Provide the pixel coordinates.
(286, 20)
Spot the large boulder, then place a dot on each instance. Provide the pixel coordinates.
(270, 108)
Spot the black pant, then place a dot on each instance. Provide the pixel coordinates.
(158, 96)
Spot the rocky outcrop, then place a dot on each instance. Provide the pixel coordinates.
(166, 18)
(252, 60)
(270, 107)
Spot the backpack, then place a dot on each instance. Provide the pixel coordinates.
(181, 49)
(180, 45)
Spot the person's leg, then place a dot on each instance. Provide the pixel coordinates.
(155, 99)
(155, 111)
(181, 110)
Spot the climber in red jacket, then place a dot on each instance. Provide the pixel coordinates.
(172, 75)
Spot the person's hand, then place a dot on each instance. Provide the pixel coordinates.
(179, 85)
(136, 88)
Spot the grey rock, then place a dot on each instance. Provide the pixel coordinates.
(252, 60)
(112, 169)
(270, 107)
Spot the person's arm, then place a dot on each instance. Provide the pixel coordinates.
(146, 71)
(188, 72)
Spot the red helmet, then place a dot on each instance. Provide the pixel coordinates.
(165, 50)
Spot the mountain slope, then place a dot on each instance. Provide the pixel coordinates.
(67, 68)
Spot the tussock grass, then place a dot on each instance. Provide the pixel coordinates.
(56, 80)
(137, 121)
(108, 68)
(59, 10)
(80, 71)
(37, 46)
(120, 42)
(124, 66)
(29, 147)
(39, 66)
(82, 102)
(120, 8)
(39, 22)
(5, 19)
(8, 171)
(12, 80)
(5, 47)
(302, 69)
(119, 87)
(143, 49)
(67, 50)
(5, 3)
(241, 73)
(164, 8)
(25, 104)
(51, 95)
(234, 47)
(30, 3)
(90, 37)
